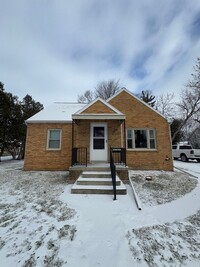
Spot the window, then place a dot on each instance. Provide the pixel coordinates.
(185, 147)
(98, 138)
(141, 139)
(54, 139)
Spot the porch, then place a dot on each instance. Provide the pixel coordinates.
(80, 162)
(96, 128)
(100, 177)
(82, 166)
(98, 132)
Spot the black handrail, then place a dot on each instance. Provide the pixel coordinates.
(79, 156)
(113, 173)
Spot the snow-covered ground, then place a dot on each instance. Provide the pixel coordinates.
(5, 158)
(191, 166)
(42, 224)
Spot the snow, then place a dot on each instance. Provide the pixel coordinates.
(43, 224)
(4, 158)
(57, 112)
(191, 166)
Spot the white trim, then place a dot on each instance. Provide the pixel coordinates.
(98, 116)
(148, 139)
(101, 155)
(104, 102)
(142, 102)
(48, 135)
(47, 121)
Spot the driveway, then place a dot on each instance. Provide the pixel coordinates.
(192, 167)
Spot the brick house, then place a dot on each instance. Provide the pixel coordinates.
(67, 134)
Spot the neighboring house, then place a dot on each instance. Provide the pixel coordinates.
(67, 133)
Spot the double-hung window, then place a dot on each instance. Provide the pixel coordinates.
(54, 139)
(141, 139)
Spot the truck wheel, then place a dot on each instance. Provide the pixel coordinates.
(184, 158)
(198, 160)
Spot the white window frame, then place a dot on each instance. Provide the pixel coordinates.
(148, 148)
(48, 139)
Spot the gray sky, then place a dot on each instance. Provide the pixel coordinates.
(57, 49)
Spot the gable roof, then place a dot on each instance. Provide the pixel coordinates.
(141, 101)
(62, 112)
(114, 114)
(57, 112)
(102, 101)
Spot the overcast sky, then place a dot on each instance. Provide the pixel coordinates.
(54, 50)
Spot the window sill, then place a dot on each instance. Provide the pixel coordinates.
(53, 149)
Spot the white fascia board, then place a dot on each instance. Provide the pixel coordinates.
(45, 121)
(98, 117)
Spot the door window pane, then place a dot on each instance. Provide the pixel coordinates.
(98, 143)
(98, 132)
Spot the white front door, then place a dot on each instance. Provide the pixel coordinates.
(98, 142)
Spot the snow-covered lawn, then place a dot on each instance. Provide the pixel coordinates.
(42, 224)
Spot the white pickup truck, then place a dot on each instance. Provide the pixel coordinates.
(185, 152)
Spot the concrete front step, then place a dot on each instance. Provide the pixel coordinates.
(81, 189)
(96, 181)
(96, 174)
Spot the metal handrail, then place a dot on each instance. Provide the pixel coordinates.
(113, 173)
(79, 156)
(119, 155)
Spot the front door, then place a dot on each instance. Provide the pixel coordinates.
(98, 142)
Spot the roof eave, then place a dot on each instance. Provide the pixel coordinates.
(98, 117)
(47, 121)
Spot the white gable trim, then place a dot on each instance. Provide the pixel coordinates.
(142, 102)
(101, 100)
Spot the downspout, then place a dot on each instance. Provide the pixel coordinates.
(125, 139)
(121, 135)
(72, 142)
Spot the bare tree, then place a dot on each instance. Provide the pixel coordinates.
(87, 97)
(166, 106)
(194, 138)
(148, 97)
(175, 127)
(106, 89)
(190, 99)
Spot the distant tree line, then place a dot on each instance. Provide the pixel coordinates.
(13, 114)
(184, 116)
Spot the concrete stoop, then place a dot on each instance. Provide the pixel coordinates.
(97, 182)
